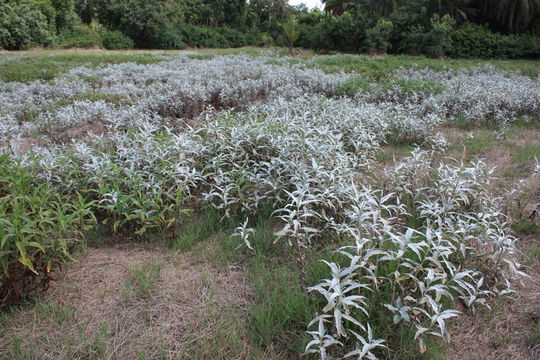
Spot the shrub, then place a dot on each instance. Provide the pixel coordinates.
(166, 38)
(219, 37)
(115, 40)
(438, 40)
(378, 36)
(517, 46)
(22, 26)
(472, 41)
(290, 34)
(264, 39)
(413, 40)
(81, 36)
(476, 41)
(341, 33)
(37, 228)
(237, 38)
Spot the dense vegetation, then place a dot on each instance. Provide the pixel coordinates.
(436, 28)
(282, 158)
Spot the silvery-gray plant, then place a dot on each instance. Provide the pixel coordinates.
(236, 133)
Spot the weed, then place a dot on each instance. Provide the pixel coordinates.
(58, 313)
(143, 280)
(525, 154)
(282, 308)
(526, 226)
(197, 228)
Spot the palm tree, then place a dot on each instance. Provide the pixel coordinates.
(291, 34)
(461, 10)
(338, 7)
(510, 16)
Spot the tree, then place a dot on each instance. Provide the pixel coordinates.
(22, 26)
(511, 16)
(338, 7)
(66, 17)
(378, 36)
(438, 38)
(461, 10)
(147, 22)
(291, 33)
(269, 10)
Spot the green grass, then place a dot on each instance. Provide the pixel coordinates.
(143, 280)
(533, 338)
(526, 153)
(384, 66)
(403, 87)
(480, 143)
(515, 172)
(526, 227)
(533, 256)
(282, 309)
(388, 154)
(48, 65)
(227, 338)
(196, 228)
(51, 310)
(27, 66)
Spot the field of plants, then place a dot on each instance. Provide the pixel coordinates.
(194, 205)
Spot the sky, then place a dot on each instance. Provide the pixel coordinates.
(310, 3)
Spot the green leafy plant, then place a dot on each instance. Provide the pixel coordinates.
(116, 40)
(290, 33)
(38, 227)
(438, 39)
(378, 36)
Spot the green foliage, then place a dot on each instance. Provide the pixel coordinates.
(23, 26)
(38, 226)
(47, 67)
(221, 37)
(135, 211)
(148, 23)
(264, 40)
(116, 40)
(81, 36)
(196, 228)
(66, 17)
(413, 40)
(437, 40)
(472, 41)
(344, 33)
(415, 27)
(517, 46)
(378, 36)
(476, 41)
(290, 33)
(526, 226)
(282, 306)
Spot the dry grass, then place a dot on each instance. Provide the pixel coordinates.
(500, 154)
(511, 330)
(195, 310)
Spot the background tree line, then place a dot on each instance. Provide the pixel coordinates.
(457, 28)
